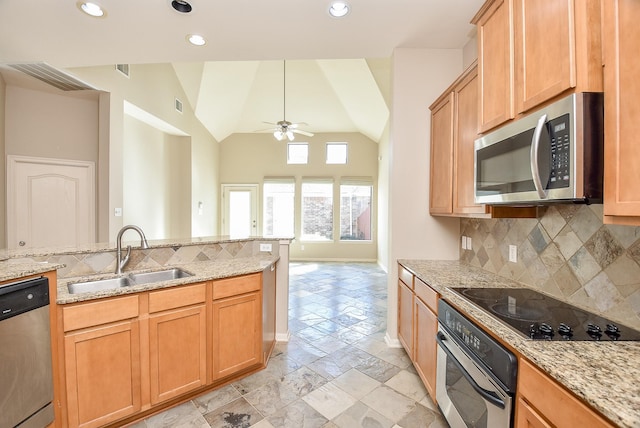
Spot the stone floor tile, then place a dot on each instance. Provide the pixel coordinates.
(389, 403)
(183, 416)
(361, 416)
(207, 403)
(237, 414)
(329, 400)
(297, 415)
(408, 384)
(356, 383)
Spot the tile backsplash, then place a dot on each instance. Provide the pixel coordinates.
(567, 252)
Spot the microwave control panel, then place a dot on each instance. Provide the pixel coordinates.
(559, 136)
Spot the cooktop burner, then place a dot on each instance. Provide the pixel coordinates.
(542, 317)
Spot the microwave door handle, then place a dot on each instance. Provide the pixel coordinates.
(535, 148)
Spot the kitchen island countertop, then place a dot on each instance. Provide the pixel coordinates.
(606, 375)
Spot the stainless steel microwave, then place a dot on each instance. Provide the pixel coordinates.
(552, 155)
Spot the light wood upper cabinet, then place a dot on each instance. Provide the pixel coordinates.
(495, 63)
(441, 183)
(621, 36)
(557, 48)
(532, 51)
(465, 134)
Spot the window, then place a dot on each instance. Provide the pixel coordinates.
(297, 153)
(278, 208)
(355, 212)
(317, 211)
(336, 153)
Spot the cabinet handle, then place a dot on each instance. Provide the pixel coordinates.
(22, 243)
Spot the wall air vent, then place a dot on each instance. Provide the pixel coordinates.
(178, 105)
(123, 68)
(52, 76)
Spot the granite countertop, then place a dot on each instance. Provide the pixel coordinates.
(202, 271)
(14, 269)
(606, 375)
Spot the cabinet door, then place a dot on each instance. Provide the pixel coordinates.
(466, 132)
(102, 374)
(527, 417)
(545, 50)
(621, 35)
(441, 183)
(405, 317)
(495, 64)
(237, 334)
(177, 352)
(426, 325)
(268, 311)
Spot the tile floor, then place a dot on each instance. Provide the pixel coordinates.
(336, 370)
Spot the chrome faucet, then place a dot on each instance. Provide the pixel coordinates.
(120, 261)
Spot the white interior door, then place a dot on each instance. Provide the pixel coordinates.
(239, 218)
(50, 202)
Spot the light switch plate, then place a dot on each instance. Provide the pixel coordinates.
(469, 245)
(265, 247)
(513, 253)
(464, 242)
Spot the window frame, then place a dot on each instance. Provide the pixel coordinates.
(336, 144)
(289, 157)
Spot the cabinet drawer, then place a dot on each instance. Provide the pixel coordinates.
(405, 276)
(236, 285)
(99, 312)
(176, 297)
(546, 397)
(427, 294)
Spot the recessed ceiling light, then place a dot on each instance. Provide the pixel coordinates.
(181, 6)
(196, 39)
(338, 9)
(92, 9)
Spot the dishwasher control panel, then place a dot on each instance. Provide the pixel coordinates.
(19, 297)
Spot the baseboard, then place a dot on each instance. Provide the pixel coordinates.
(392, 343)
(283, 337)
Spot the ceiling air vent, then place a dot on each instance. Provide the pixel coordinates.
(123, 68)
(54, 77)
(178, 105)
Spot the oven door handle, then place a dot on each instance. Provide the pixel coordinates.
(487, 395)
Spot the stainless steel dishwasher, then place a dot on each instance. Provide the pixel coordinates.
(26, 382)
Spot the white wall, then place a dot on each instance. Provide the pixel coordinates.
(3, 185)
(383, 200)
(418, 77)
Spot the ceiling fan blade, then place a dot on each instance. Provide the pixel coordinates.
(300, 131)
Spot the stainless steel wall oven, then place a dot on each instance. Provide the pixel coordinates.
(476, 375)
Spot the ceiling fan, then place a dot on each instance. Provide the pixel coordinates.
(283, 128)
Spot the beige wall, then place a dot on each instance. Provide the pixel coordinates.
(418, 77)
(3, 185)
(383, 200)
(153, 89)
(156, 173)
(248, 158)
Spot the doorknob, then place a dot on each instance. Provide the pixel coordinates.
(22, 243)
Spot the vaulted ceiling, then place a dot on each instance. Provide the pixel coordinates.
(337, 70)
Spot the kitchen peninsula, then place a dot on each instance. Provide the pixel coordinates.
(123, 353)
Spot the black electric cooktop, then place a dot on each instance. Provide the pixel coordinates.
(541, 317)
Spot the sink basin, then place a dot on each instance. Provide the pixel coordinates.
(99, 285)
(158, 276)
(126, 281)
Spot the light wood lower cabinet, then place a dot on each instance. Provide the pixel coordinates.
(102, 361)
(177, 341)
(540, 395)
(418, 325)
(237, 325)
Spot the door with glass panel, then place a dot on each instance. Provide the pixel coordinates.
(240, 214)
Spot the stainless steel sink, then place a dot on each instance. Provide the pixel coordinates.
(99, 285)
(127, 281)
(158, 276)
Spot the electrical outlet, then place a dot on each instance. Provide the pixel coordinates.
(464, 242)
(117, 212)
(265, 247)
(469, 245)
(513, 253)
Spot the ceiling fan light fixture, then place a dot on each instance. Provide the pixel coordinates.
(289, 135)
(279, 135)
(338, 9)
